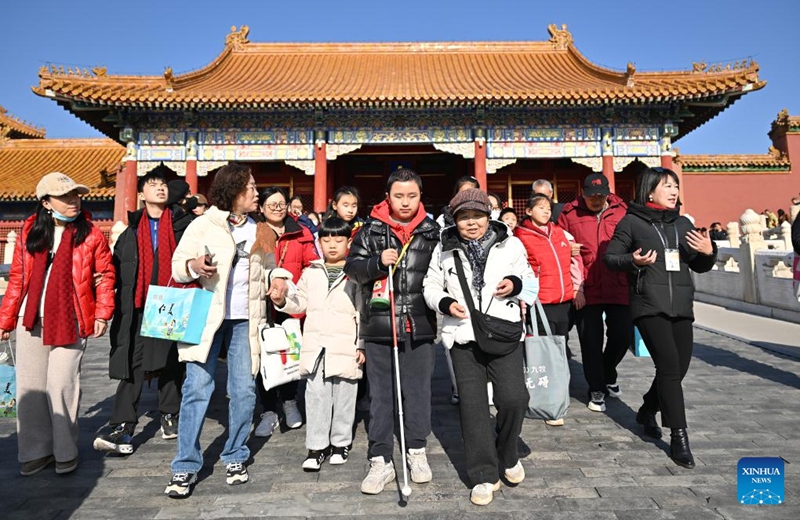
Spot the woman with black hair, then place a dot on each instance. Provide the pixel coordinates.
(465, 182)
(658, 247)
(294, 251)
(62, 286)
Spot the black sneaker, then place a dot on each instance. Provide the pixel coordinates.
(119, 441)
(236, 473)
(314, 460)
(181, 485)
(339, 455)
(169, 426)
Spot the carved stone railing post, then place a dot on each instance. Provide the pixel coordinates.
(11, 243)
(733, 233)
(116, 231)
(752, 241)
(793, 211)
(786, 235)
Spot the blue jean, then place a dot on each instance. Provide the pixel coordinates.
(197, 389)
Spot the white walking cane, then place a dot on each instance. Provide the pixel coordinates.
(406, 489)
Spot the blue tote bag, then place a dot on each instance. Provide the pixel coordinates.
(175, 314)
(8, 382)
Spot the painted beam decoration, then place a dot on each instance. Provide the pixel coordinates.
(255, 145)
(569, 141)
(400, 136)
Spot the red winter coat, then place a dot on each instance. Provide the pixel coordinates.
(295, 248)
(549, 255)
(90, 257)
(601, 285)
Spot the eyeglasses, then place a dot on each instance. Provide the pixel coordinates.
(252, 187)
(280, 206)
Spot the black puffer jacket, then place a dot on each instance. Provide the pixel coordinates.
(653, 289)
(123, 330)
(364, 267)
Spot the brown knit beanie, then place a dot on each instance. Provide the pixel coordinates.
(472, 198)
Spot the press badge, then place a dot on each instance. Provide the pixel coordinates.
(673, 259)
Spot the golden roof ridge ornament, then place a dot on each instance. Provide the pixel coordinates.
(630, 72)
(237, 39)
(169, 78)
(560, 38)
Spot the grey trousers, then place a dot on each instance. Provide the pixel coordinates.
(330, 410)
(48, 395)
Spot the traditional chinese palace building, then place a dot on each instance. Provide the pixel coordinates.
(313, 117)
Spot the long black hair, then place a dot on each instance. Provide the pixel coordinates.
(649, 180)
(40, 237)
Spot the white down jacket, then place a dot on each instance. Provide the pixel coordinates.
(507, 258)
(331, 324)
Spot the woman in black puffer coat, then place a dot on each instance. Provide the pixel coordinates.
(657, 247)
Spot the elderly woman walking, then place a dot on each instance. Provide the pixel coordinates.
(477, 270)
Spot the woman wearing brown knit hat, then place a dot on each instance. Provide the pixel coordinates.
(482, 256)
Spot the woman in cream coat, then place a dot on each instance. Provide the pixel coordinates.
(231, 256)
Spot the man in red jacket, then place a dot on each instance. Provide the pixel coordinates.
(592, 219)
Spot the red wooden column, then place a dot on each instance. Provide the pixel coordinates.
(119, 200)
(191, 175)
(608, 158)
(131, 178)
(666, 160)
(608, 171)
(320, 176)
(480, 162)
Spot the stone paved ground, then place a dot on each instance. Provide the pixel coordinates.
(742, 401)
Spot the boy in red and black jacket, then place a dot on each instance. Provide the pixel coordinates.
(398, 233)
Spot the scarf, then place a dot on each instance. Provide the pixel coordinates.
(166, 246)
(58, 305)
(477, 252)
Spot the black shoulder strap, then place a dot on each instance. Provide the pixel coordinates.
(462, 279)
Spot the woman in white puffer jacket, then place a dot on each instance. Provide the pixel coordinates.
(495, 268)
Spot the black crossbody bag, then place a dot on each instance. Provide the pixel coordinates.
(494, 336)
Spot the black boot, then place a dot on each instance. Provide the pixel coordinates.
(679, 450)
(648, 419)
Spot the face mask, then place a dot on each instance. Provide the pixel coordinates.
(63, 218)
(495, 214)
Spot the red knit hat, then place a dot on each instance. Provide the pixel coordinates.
(472, 198)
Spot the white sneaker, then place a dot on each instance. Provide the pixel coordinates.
(267, 425)
(292, 414)
(614, 391)
(555, 422)
(597, 402)
(516, 474)
(380, 474)
(418, 466)
(483, 494)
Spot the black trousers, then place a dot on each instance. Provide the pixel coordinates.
(129, 391)
(416, 368)
(670, 342)
(272, 400)
(473, 368)
(558, 317)
(600, 366)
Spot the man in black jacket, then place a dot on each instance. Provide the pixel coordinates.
(399, 234)
(142, 256)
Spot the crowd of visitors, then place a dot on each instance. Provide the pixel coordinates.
(374, 296)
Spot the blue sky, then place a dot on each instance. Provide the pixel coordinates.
(144, 37)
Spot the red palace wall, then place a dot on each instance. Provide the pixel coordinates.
(720, 197)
